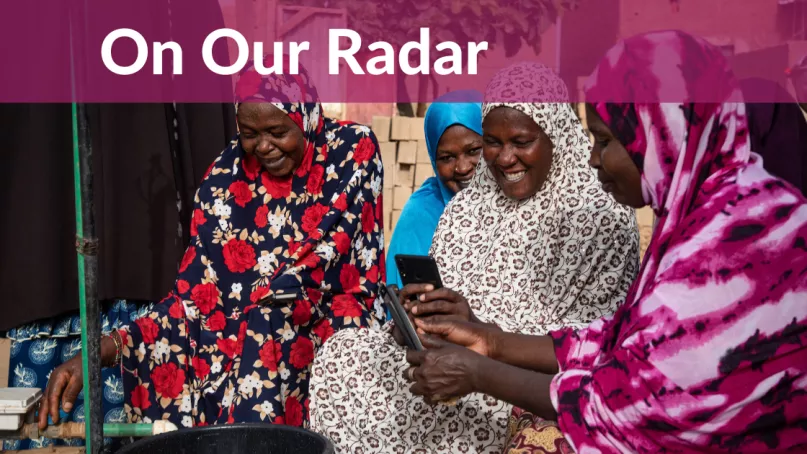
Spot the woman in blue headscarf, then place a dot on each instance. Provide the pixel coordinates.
(454, 139)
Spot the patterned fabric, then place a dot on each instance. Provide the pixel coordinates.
(521, 266)
(528, 434)
(209, 353)
(40, 347)
(565, 256)
(708, 352)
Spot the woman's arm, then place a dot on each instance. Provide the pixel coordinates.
(525, 389)
(446, 371)
(536, 353)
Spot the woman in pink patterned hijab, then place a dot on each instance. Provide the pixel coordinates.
(708, 352)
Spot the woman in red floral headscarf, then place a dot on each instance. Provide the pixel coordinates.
(287, 249)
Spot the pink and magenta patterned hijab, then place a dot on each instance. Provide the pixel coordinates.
(695, 158)
(709, 351)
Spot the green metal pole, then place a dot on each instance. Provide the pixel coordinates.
(82, 300)
(86, 246)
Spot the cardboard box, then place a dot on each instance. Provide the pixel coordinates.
(417, 129)
(381, 126)
(387, 201)
(5, 359)
(404, 176)
(400, 128)
(422, 173)
(423, 153)
(407, 153)
(388, 150)
(396, 214)
(399, 197)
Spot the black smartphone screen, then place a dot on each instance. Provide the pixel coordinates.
(418, 269)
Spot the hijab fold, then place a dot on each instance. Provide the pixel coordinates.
(564, 256)
(708, 352)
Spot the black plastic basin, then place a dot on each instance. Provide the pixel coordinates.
(234, 439)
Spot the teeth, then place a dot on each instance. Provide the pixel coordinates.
(464, 184)
(514, 176)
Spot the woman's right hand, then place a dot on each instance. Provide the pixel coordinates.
(478, 337)
(62, 391)
(437, 304)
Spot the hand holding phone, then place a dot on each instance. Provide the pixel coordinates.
(400, 317)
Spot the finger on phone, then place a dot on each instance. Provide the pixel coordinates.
(434, 307)
(433, 326)
(415, 357)
(439, 294)
(440, 318)
(415, 289)
(429, 341)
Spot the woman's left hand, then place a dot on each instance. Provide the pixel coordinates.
(443, 371)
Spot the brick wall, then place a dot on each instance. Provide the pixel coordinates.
(405, 160)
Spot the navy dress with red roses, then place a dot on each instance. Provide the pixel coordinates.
(209, 353)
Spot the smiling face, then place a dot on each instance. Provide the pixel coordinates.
(458, 153)
(517, 151)
(615, 169)
(271, 136)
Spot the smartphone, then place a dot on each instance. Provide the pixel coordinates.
(402, 321)
(278, 298)
(418, 269)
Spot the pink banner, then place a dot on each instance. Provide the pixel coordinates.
(366, 50)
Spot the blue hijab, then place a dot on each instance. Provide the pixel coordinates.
(415, 229)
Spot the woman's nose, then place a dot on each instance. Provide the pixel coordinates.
(263, 146)
(594, 158)
(465, 165)
(507, 157)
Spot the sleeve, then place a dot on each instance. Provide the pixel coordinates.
(157, 358)
(352, 228)
(659, 379)
(579, 347)
(596, 376)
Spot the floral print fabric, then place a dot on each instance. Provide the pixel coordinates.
(214, 350)
(528, 434)
(565, 256)
(708, 352)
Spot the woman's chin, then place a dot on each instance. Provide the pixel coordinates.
(627, 201)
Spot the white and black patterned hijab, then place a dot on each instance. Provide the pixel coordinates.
(565, 256)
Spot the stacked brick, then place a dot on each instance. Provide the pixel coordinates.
(406, 163)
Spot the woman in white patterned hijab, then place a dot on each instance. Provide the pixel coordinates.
(563, 256)
(533, 244)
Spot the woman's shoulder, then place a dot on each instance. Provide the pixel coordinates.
(223, 170)
(344, 137)
(347, 130)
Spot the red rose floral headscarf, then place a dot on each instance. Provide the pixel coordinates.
(215, 351)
